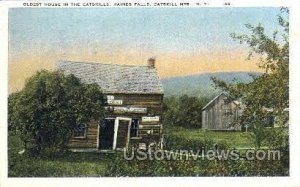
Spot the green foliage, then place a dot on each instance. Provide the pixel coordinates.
(15, 145)
(48, 108)
(267, 96)
(94, 165)
(182, 143)
(12, 116)
(201, 167)
(277, 138)
(234, 139)
(184, 111)
(68, 164)
(121, 167)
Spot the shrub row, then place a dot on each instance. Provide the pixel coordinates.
(182, 143)
(136, 168)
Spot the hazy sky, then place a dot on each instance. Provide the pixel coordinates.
(183, 40)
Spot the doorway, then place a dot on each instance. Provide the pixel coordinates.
(114, 133)
(121, 133)
(107, 134)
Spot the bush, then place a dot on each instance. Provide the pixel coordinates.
(68, 164)
(15, 145)
(121, 167)
(91, 165)
(176, 143)
(49, 107)
(184, 111)
(201, 167)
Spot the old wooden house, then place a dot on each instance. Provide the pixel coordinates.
(134, 96)
(221, 113)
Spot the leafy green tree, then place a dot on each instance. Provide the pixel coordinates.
(49, 107)
(184, 111)
(12, 100)
(268, 95)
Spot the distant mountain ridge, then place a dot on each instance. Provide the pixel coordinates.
(201, 85)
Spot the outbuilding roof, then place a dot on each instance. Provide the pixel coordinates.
(221, 94)
(115, 78)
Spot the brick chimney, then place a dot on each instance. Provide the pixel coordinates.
(151, 62)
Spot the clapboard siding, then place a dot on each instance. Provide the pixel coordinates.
(148, 131)
(136, 85)
(220, 114)
(140, 99)
(148, 123)
(90, 141)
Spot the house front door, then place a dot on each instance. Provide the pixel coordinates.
(106, 135)
(121, 133)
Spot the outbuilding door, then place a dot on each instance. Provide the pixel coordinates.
(121, 133)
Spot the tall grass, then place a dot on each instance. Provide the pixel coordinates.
(72, 164)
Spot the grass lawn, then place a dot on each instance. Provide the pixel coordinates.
(77, 164)
(233, 139)
(67, 165)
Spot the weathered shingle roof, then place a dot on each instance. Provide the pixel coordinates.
(115, 78)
